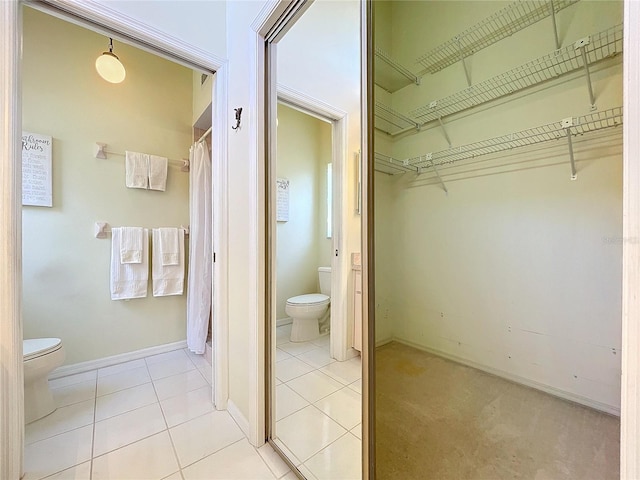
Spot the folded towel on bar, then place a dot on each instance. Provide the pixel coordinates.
(167, 279)
(168, 246)
(128, 280)
(137, 170)
(131, 244)
(158, 172)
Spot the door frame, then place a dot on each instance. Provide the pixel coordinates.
(11, 331)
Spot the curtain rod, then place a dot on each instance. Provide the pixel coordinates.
(204, 135)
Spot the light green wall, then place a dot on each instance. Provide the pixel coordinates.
(518, 269)
(66, 269)
(304, 149)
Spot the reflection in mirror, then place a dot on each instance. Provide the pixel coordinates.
(498, 227)
(316, 394)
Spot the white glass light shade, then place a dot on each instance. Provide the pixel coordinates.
(109, 67)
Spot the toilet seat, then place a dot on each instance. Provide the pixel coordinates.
(309, 299)
(37, 347)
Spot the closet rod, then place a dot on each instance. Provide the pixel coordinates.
(204, 135)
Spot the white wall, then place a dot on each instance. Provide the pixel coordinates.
(304, 150)
(66, 269)
(201, 24)
(518, 268)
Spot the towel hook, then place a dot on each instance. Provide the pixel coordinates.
(238, 117)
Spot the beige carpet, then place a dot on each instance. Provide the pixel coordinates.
(437, 419)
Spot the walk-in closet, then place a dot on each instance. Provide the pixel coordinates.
(498, 238)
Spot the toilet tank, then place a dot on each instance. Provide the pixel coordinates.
(324, 276)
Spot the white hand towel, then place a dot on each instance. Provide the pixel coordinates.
(158, 172)
(167, 279)
(137, 170)
(168, 246)
(131, 244)
(128, 280)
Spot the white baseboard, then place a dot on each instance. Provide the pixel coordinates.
(240, 419)
(572, 397)
(283, 321)
(384, 341)
(82, 367)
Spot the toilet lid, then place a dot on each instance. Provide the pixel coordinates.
(36, 347)
(309, 299)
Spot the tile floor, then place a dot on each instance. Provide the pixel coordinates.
(314, 393)
(146, 419)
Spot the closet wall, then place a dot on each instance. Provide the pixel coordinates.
(517, 270)
(66, 269)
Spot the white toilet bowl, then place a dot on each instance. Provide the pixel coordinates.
(41, 356)
(305, 312)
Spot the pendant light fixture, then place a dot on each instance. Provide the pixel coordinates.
(109, 67)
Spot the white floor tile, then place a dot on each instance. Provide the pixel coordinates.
(207, 374)
(307, 473)
(277, 466)
(175, 355)
(198, 360)
(72, 379)
(151, 458)
(121, 367)
(288, 402)
(175, 476)
(291, 368)
(290, 476)
(357, 431)
(317, 358)
(57, 453)
(356, 386)
(171, 367)
(314, 385)
(323, 342)
(178, 384)
(237, 461)
(345, 372)
(296, 348)
(185, 407)
(121, 430)
(342, 459)
(125, 401)
(121, 381)
(79, 472)
(343, 406)
(308, 431)
(202, 436)
(62, 420)
(77, 392)
(281, 355)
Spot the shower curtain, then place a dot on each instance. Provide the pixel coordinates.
(199, 279)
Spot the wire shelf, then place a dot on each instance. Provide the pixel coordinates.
(501, 24)
(552, 131)
(391, 166)
(395, 76)
(601, 46)
(390, 121)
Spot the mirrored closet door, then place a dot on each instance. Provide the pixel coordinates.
(498, 238)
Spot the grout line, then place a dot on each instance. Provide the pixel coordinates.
(93, 432)
(166, 424)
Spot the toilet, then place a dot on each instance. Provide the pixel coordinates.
(306, 311)
(41, 356)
